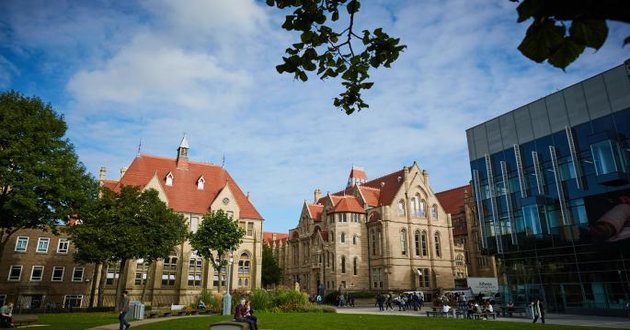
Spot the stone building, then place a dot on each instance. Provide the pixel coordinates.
(470, 262)
(191, 188)
(386, 234)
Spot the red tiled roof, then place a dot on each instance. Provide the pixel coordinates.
(453, 200)
(183, 195)
(111, 184)
(358, 173)
(370, 195)
(268, 237)
(315, 211)
(347, 204)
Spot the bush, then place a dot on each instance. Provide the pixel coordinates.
(363, 294)
(261, 300)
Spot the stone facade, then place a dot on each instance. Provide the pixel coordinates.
(386, 234)
(189, 188)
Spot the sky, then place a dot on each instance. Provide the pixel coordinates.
(130, 74)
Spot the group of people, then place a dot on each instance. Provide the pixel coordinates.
(404, 301)
(245, 313)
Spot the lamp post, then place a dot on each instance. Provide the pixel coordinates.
(227, 298)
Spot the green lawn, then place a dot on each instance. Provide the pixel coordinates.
(324, 321)
(76, 321)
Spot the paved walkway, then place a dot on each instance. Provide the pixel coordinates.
(551, 318)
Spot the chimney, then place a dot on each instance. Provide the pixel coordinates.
(182, 154)
(102, 174)
(425, 175)
(317, 195)
(123, 170)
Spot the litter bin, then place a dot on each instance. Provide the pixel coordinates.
(136, 310)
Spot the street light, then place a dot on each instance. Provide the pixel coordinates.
(227, 298)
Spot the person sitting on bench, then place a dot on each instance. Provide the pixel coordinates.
(241, 313)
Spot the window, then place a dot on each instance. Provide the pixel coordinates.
(42, 244)
(606, 156)
(15, 273)
(195, 267)
(423, 277)
(244, 264)
(415, 203)
(169, 179)
(37, 273)
(373, 243)
(423, 208)
(77, 274)
(194, 224)
(354, 265)
(401, 208)
(72, 300)
(169, 272)
(142, 269)
(250, 229)
(21, 244)
(3, 299)
(423, 243)
(416, 237)
(354, 239)
(343, 264)
(215, 278)
(403, 242)
(200, 183)
(63, 246)
(57, 274)
(355, 217)
(113, 273)
(434, 211)
(438, 245)
(459, 260)
(343, 237)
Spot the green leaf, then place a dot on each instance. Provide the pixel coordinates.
(353, 6)
(566, 54)
(589, 32)
(529, 8)
(302, 75)
(270, 3)
(541, 40)
(335, 15)
(307, 36)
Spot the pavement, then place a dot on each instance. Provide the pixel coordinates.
(550, 318)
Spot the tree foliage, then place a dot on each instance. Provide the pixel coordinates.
(332, 53)
(561, 29)
(217, 235)
(559, 33)
(42, 181)
(130, 224)
(271, 272)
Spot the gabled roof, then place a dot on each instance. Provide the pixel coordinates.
(347, 204)
(370, 195)
(315, 211)
(268, 237)
(380, 191)
(183, 195)
(453, 200)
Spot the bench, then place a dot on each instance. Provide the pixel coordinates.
(229, 325)
(158, 312)
(451, 313)
(178, 310)
(479, 316)
(24, 319)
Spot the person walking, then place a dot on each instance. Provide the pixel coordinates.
(538, 310)
(123, 308)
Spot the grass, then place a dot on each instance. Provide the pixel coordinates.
(76, 321)
(324, 321)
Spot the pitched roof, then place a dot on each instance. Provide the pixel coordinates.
(347, 204)
(379, 191)
(370, 195)
(183, 195)
(315, 211)
(358, 173)
(453, 200)
(268, 237)
(111, 184)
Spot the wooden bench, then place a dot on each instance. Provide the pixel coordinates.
(24, 319)
(158, 312)
(229, 325)
(178, 310)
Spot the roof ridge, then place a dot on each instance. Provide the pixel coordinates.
(174, 159)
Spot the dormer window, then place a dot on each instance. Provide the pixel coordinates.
(169, 179)
(200, 183)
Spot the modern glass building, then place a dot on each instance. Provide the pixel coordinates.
(552, 189)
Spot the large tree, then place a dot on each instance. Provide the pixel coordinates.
(271, 272)
(559, 32)
(42, 182)
(129, 224)
(215, 239)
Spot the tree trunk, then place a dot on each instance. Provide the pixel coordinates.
(101, 284)
(122, 280)
(94, 284)
(146, 282)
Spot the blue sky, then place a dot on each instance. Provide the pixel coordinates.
(121, 72)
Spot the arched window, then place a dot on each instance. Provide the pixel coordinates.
(343, 237)
(416, 240)
(332, 236)
(403, 242)
(423, 208)
(434, 211)
(401, 207)
(343, 264)
(195, 267)
(244, 265)
(424, 243)
(415, 203)
(354, 239)
(354, 265)
(438, 245)
(379, 239)
(459, 260)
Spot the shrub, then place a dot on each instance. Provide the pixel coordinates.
(261, 300)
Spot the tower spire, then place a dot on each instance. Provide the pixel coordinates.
(182, 154)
